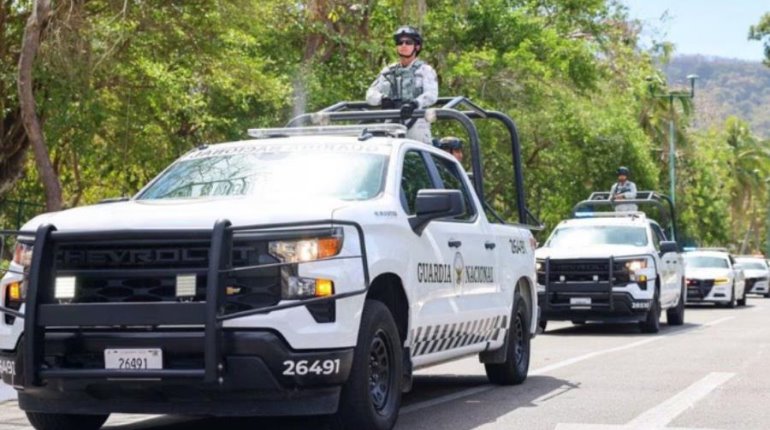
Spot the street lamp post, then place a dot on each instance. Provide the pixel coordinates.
(671, 95)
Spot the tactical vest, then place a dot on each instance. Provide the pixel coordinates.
(403, 81)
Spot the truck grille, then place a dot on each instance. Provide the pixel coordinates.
(145, 273)
(584, 271)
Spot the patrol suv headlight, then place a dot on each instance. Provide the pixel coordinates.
(721, 281)
(22, 255)
(636, 265)
(300, 251)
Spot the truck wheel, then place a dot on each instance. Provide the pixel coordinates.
(767, 295)
(731, 303)
(742, 300)
(516, 366)
(371, 397)
(652, 323)
(542, 324)
(675, 315)
(43, 421)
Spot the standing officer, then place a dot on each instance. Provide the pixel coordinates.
(623, 190)
(407, 85)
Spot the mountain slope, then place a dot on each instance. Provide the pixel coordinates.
(726, 87)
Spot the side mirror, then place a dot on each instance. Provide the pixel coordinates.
(435, 204)
(668, 246)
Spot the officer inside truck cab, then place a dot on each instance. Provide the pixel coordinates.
(407, 85)
(452, 145)
(623, 190)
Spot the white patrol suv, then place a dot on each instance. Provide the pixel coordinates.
(611, 267)
(713, 278)
(756, 274)
(309, 271)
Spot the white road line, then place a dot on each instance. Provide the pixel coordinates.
(546, 369)
(718, 321)
(541, 371)
(584, 357)
(659, 416)
(667, 411)
(444, 399)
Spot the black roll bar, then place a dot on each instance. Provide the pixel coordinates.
(457, 108)
(651, 198)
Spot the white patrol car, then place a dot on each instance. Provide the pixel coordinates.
(712, 277)
(756, 274)
(611, 267)
(309, 271)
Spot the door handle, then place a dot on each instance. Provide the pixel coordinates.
(490, 245)
(454, 243)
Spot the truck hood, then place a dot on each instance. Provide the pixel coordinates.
(706, 272)
(755, 273)
(186, 214)
(603, 251)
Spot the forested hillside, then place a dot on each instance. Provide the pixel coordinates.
(123, 88)
(726, 87)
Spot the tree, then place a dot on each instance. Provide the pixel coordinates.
(761, 32)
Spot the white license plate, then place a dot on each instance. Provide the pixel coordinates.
(133, 359)
(580, 301)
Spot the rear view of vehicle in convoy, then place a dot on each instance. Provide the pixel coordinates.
(757, 274)
(713, 278)
(611, 266)
(307, 271)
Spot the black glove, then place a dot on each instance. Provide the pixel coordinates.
(407, 109)
(387, 103)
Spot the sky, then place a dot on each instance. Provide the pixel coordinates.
(708, 27)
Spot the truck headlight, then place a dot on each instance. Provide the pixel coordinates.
(539, 266)
(636, 265)
(300, 251)
(22, 255)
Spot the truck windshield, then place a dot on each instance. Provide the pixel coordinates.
(571, 237)
(340, 175)
(701, 261)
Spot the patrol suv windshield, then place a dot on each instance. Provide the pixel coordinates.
(701, 261)
(752, 264)
(341, 175)
(572, 237)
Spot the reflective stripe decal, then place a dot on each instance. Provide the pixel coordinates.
(444, 337)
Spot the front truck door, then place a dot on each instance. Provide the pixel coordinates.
(431, 270)
(671, 270)
(472, 249)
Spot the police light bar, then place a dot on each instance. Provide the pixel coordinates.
(393, 130)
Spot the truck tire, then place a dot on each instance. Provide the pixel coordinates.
(767, 295)
(516, 366)
(652, 323)
(675, 315)
(371, 397)
(542, 324)
(43, 421)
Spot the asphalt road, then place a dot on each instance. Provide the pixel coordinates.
(711, 373)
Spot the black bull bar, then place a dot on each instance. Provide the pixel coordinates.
(40, 314)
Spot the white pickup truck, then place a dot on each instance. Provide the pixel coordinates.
(309, 270)
(612, 266)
